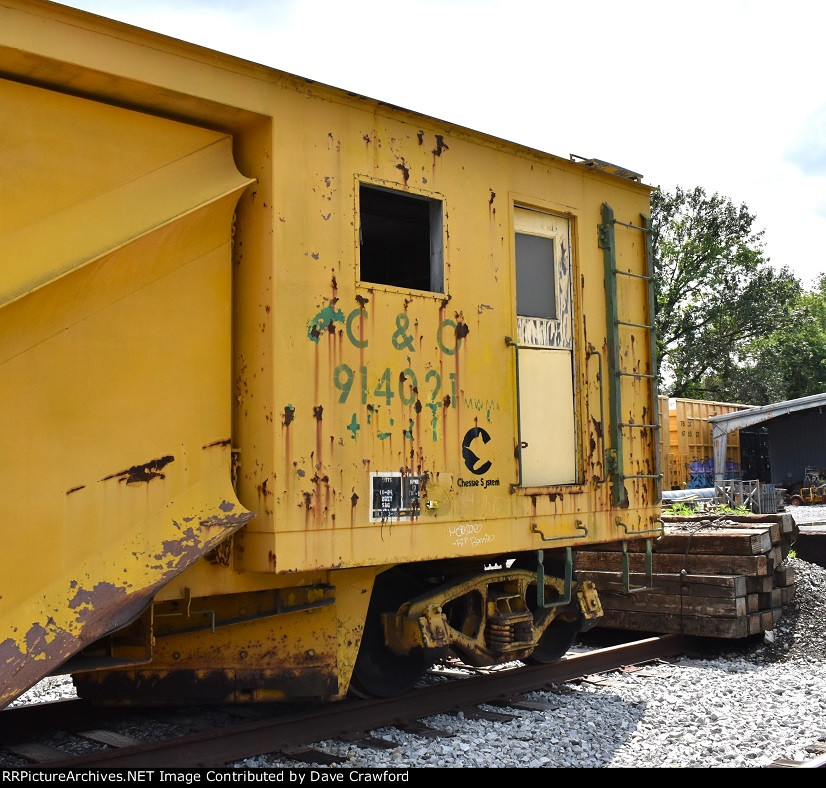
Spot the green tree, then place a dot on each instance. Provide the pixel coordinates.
(716, 293)
(788, 362)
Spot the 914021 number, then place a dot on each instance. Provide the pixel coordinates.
(407, 388)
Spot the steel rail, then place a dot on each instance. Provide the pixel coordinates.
(217, 747)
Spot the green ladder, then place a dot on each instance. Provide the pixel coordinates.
(617, 428)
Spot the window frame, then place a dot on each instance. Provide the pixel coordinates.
(438, 263)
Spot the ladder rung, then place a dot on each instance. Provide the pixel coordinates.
(635, 325)
(635, 374)
(643, 476)
(639, 426)
(636, 276)
(632, 226)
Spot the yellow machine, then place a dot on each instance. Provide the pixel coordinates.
(809, 495)
(299, 391)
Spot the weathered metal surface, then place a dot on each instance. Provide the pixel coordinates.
(176, 334)
(91, 608)
(486, 618)
(113, 410)
(210, 686)
(689, 455)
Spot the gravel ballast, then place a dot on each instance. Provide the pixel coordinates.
(757, 701)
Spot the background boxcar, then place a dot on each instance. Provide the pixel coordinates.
(688, 453)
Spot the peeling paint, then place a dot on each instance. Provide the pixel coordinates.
(324, 320)
(142, 473)
(225, 442)
(101, 595)
(177, 547)
(404, 170)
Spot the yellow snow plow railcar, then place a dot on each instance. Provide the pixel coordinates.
(299, 391)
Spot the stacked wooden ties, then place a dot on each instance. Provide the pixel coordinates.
(718, 576)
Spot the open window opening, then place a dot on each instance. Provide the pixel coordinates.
(400, 239)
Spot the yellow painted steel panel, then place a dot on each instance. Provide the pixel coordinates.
(545, 377)
(114, 362)
(64, 210)
(145, 322)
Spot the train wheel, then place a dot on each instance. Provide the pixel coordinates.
(378, 672)
(556, 641)
(560, 634)
(796, 500)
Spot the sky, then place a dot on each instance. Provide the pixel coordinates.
(727, 95)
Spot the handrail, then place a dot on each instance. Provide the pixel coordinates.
(592, 351)
(649, 557)
(540, 580)
(509, 342)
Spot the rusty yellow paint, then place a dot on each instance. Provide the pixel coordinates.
(303, 440)
(431, 621)
(178, 292)
(295, 640)
(353, 588)
(114, 356)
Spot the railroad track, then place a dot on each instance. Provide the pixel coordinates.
(292, 733)
(817, 761)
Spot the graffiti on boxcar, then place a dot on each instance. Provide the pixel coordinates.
(469, 535)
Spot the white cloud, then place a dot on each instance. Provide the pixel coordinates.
(715, 94)
(808, 149)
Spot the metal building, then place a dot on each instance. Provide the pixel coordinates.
(779, 442)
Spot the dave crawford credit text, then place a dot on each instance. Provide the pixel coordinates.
(295, 776)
